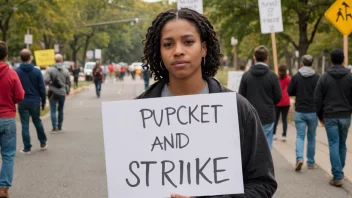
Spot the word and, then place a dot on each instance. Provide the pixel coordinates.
(194, 114)
(183, 168)
(181, 141)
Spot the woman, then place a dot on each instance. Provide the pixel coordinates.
(98, 77)
(284, 105)
(183, 54)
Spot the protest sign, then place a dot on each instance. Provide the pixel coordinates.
(234, 80)
(188, 145)
(44, 57)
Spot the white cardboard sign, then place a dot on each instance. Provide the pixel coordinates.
(90, 54)
(196, 5)
(189, 145)
(234, 80)
(270, 16)
(97, 53)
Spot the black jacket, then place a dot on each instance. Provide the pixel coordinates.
(303, 88)
(333, 94)
(257, 164)
(262, 89)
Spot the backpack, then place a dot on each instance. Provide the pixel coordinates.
(55, 81)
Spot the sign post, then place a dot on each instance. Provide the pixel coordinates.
(196, 5)
(28, 39)
(271, 22)
(340, 15)
(273, 41)
(345, 49)
(173, 145)
(234, 43)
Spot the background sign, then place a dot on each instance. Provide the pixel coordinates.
(340, 15)
(97, 53)
(90, 54)
(28, 39)
(188, 145)
(44, 57)
(270, 16)
(234, 80)
(196, 5)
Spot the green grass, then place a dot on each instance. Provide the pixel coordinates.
(83, 84)
(222, 76)
(42, 113)
(47, 109)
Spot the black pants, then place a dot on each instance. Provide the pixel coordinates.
(284, 112)
(75, 80)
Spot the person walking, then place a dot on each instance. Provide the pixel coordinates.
(146, 76)
(283, 106)
(98, 78)
(302, 86)
(132, 70)
(10, 94)
(261, 88)
(185, 65)
(58, 79)
(333, 103)
(75, 72)
(34, 87)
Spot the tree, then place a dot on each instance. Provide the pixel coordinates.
(8, 9)
(302, 19)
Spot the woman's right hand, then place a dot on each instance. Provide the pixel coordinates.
(179, 196)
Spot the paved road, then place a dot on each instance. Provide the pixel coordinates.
(74, 164)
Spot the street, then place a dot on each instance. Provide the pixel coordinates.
(74, 164)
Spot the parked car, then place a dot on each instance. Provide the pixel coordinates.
(88, 70)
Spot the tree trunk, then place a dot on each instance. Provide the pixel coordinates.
(75, 48)
(288, 59)
(4, 34)
(303, 34)
(86, 45)
(47, 41)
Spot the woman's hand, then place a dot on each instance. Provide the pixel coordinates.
(178, 196)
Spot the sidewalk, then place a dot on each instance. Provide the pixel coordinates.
(322, 158)
(307, 183)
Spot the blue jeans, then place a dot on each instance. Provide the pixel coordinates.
(306, 122)
(269, 132)
(26, 111)
(8, 150)
(97, 87)
(60, 100)
(337, 130)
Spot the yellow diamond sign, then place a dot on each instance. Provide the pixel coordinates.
(340, 15)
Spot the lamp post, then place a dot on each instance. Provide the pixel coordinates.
(234, 43)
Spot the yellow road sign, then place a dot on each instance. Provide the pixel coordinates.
(44, 57)
(340, 15)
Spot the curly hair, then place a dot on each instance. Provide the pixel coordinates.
(152, 54)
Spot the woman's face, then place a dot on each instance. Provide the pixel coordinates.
(181, 49)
